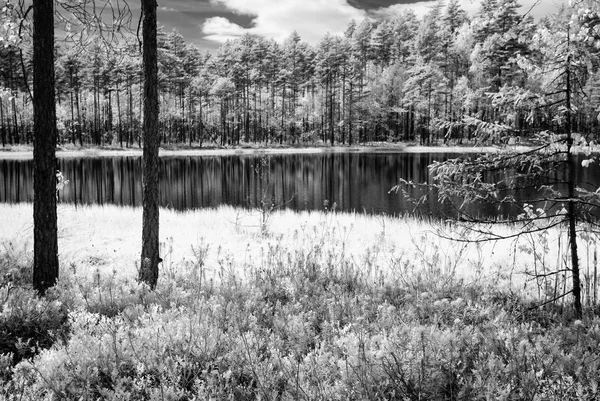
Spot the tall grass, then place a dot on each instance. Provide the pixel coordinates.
(109, 237)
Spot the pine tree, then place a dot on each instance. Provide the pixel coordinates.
(150, 194)
(45, 228)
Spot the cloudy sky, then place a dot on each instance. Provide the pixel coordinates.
(208, 23)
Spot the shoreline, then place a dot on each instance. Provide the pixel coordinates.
(27, 154)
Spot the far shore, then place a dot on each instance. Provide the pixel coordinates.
(26, 152)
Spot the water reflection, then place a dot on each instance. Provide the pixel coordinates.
(353, 181)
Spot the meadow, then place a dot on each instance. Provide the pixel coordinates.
(294, 305)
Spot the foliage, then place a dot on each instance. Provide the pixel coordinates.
(307, 321)
(407, 78)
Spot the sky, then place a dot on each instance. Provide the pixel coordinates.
(209, 23)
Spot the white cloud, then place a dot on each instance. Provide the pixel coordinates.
(420, 8)
(278, 18)
(221, 29)
(313, 18)
(540, 7)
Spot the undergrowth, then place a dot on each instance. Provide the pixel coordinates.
(307, 322)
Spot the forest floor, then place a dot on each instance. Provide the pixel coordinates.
(293, 305)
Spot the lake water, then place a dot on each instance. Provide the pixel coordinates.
(352, 181)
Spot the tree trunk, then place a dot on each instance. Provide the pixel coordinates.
(571, 213)
(72, 126)
(2, 126)
(150, 195)
(45, 237)
(130, 89)
(79, 126)
(200, 121)
(119, 115)
(16, 139)
(331, 117)
(350, 116)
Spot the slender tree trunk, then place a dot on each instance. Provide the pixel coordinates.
(350, 115)
(571, 213)
(15, 121)
(2, 127)
(130, 89)
(331, 117)
(109, 115)
(12, 84)
(190, 117)
(141, 107)
(200, 120)
(150, 194)
(72, 101)
(119, 115)
(45, 237)
(85, 127)
(79, 126)
(282, 113)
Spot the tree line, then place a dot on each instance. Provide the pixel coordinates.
(443, 77)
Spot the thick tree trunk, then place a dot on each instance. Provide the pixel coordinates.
(150, 195)
(45, 238)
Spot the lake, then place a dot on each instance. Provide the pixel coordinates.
(345, 181)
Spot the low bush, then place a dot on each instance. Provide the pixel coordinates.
(305, 320)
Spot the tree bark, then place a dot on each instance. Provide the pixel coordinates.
(2, 126)
(45, 238)
(150, 194)
(571, 212)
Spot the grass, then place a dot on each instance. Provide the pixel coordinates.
(314, 306)
(109, 238)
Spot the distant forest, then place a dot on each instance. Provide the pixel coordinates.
(497, 77)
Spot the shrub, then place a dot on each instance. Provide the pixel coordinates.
(29, 323)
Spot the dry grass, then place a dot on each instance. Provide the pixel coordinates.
(108, 239)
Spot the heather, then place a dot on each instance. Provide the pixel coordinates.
(315, 305)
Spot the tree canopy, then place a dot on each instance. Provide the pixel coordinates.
(439, 78)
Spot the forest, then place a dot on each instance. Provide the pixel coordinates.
(266, 303)
(496, 77)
